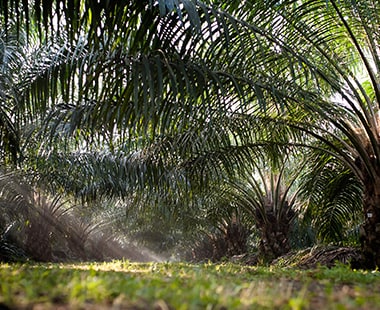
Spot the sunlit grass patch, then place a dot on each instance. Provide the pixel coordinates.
(186, 286)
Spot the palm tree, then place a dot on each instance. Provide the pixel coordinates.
(301, 65)
(269, 196)
(195, 78)
(334, 44)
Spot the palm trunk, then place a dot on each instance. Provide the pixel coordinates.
(235, 237)
(370, 232)
(274, 241)
(274, 233)
(38, 243)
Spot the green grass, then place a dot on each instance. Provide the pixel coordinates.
(125, 285)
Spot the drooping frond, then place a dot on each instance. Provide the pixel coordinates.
(11, 59)
(335, 197)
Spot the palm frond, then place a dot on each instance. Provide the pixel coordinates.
(335, 197)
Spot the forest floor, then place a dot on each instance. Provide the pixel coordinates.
(122, 284)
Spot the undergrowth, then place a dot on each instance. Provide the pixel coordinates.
(125, 285)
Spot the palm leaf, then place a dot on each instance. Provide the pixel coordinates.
(335, 197)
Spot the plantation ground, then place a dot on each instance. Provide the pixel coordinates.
(125, 285)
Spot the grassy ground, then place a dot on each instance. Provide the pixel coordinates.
(125, 285)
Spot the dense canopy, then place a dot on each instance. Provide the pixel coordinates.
(176, 102)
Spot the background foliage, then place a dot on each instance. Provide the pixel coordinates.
(189, 126)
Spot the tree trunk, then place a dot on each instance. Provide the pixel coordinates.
(38, 245)
(274, 233)
(370, 232)
(235, 237)
(274, 241)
